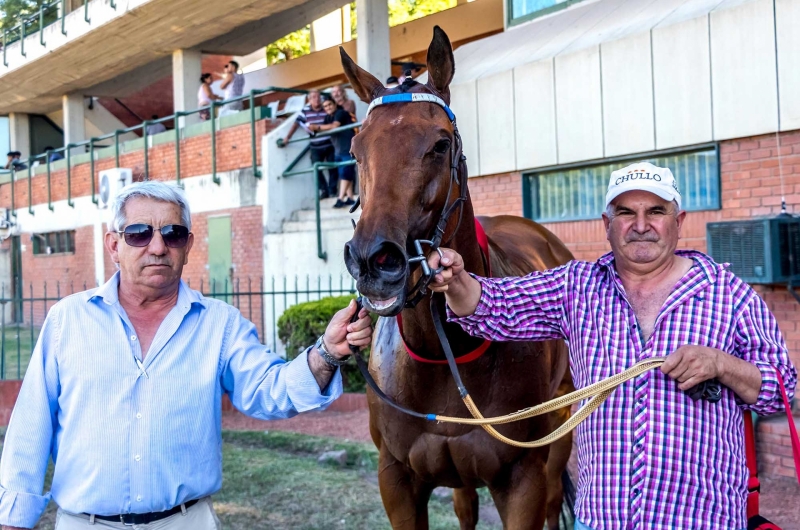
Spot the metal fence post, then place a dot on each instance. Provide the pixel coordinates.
(41, 25)
(63, 16)
(86, 11)
(146, 160)
(178, 116)
(5, 46)
(116, 147)
(69, 176)
(256, 171)
(320, 253)
(91, 168)
(13, 198)
(30, 178)
(22, 38)
(214, 177)
(49, 196)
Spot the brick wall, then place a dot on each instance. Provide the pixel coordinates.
(750, 187)
(233, 147)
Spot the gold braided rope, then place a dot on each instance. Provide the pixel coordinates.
(597, 392)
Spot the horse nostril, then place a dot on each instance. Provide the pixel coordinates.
(387, 258)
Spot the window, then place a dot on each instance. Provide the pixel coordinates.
(579, 193)
(524, 10)
(54, 243)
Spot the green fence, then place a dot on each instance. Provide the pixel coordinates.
(93, 146)
(262, 301)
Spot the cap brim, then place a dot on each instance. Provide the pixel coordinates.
(655, 190)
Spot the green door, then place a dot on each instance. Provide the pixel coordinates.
(219, 257)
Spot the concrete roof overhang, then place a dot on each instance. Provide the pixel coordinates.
(133, 46)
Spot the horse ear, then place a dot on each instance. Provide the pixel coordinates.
(441, 63)
(364, 83)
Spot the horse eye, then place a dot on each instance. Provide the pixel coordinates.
(441, 147)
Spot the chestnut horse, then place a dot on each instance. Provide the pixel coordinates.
(404, 159)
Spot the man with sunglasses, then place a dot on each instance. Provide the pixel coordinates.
(125, 384)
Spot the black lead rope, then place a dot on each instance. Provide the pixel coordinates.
(364, 369)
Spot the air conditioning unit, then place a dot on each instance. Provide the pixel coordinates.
(110, 182)
(760, 251)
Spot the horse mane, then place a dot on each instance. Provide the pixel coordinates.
(407, 85)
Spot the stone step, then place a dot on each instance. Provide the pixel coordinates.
(338, 223)
(326, 211)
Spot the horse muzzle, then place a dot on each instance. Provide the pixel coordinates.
(381, 272)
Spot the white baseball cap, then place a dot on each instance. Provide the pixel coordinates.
(646, 177)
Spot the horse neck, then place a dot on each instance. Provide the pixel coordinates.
(418, 329)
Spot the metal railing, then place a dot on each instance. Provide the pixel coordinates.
(91, 146)
(43, 18)
(260, 301)
(315, 169)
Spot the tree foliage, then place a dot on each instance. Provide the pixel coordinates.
(289, 47)
(11, 11)
(298, 43)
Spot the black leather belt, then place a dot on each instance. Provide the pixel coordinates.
(130, 519)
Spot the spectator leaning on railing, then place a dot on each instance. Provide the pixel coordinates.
(338, 117)
(321, 148)
(124, 386)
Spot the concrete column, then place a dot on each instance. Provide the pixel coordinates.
(187, 67)
(372, 48)
(19, 132)
(347, 27)
(73, 106)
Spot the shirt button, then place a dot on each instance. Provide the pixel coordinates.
(641, 400)
(638, 447)
(133, 337)
(138, 415)
(636, 492)
(137, 457)
(138, 498)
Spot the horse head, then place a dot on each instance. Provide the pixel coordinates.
(405, 152)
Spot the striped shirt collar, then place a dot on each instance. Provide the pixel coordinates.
(708, 266)
(109, 293)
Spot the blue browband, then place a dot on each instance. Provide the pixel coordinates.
(408, 98)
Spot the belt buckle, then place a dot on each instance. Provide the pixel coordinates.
(124, 523)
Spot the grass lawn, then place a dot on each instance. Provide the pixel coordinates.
(273, 481)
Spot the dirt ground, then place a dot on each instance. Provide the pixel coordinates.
(780, 497)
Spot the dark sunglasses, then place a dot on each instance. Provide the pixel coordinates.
(140, 235)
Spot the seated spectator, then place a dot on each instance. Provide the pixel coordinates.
(338, 117)
(155, 128)
(391, 82)
(233, 85)
(340, 97)
(53, 156)
(14, 161)
(205, 96)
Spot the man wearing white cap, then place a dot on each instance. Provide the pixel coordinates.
(651, 457)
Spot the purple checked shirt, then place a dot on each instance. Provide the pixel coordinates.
(649, 457)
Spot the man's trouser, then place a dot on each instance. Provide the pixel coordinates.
(200, 516)
(326, 154)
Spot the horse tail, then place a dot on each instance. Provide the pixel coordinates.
(567, 518)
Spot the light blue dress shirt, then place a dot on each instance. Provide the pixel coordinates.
(129, 436)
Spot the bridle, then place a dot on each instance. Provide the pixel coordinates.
(458, 176)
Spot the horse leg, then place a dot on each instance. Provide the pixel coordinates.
(405, 497)
(465, 502)
(521, 495)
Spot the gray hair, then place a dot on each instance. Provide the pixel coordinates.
(151, 189)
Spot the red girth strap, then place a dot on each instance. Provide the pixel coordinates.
(483, 242)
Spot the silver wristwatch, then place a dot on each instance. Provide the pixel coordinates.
(330, 359)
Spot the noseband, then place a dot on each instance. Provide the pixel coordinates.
(458, 171)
